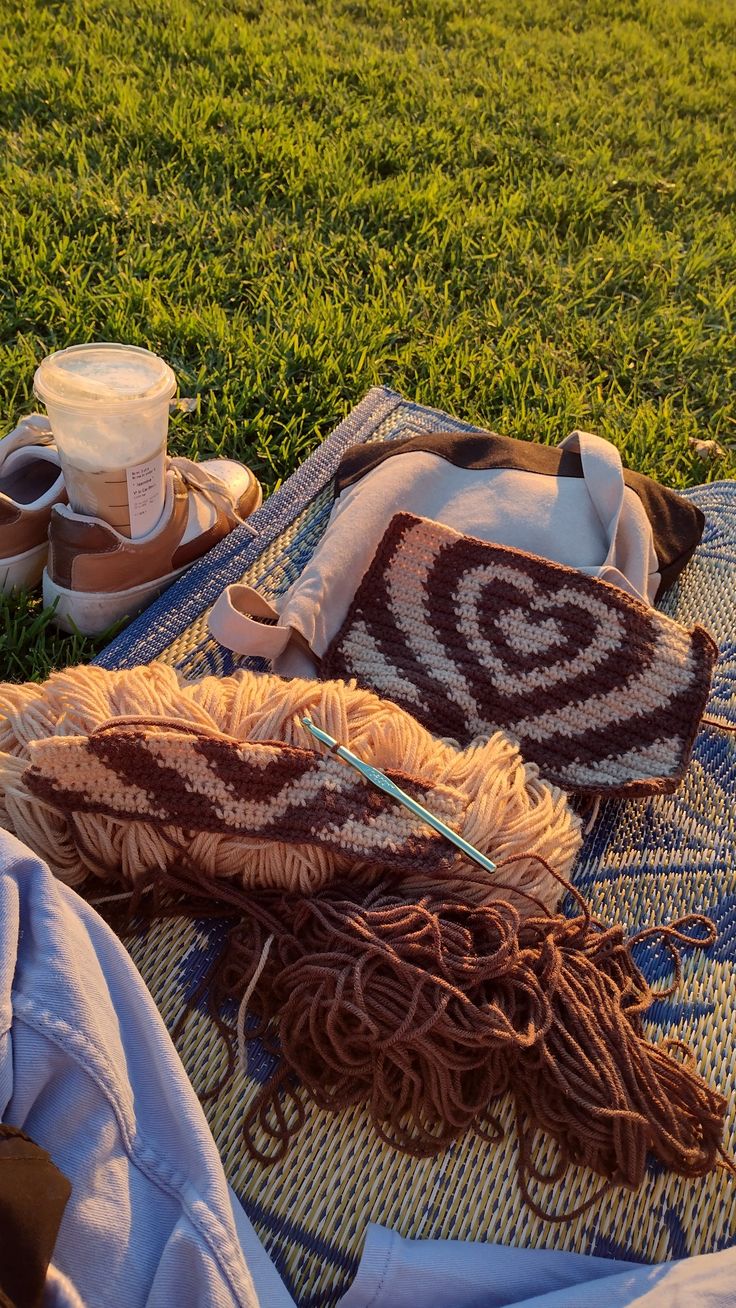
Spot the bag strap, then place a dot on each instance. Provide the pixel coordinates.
(244, 621)
(603, 474)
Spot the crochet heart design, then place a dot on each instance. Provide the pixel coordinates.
(525, 637)
(507, 627)
(602, 692)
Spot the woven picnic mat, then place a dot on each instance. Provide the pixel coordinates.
(646, 861)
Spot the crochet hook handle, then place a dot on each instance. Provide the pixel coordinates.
(389, 787)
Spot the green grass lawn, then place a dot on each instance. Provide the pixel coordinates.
(523, 211)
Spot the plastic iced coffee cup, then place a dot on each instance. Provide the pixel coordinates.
(108, 406)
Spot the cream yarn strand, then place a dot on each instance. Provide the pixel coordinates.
(512, 811)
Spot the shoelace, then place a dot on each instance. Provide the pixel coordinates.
(215, 491)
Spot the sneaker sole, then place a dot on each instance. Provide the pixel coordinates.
(93, 612)
(23, 571)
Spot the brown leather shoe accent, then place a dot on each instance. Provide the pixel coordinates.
(222, 526)
(23, 529)
(194, 549)
(90, 557)
(250, 499)
(70, 537)
(9, 514)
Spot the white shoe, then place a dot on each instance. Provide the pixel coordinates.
(31, 483)
(96, 576)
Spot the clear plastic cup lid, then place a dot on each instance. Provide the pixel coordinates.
(104, 374)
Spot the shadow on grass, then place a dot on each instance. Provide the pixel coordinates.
(31, 646)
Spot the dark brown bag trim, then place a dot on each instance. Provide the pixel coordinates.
(677, 525)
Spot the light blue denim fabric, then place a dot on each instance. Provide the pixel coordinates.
(398, 1273)
(88, 1070)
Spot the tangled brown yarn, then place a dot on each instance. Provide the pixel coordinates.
(430, 1011)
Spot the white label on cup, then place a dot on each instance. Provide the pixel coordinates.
(145, 494)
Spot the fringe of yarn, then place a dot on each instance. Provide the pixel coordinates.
(429, 1011)
(512, 810)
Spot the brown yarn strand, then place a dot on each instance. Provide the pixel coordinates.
(428, 1012)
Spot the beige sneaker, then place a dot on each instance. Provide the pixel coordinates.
(31, 483)
(96, 576)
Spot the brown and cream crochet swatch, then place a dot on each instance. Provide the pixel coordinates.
(224, 769)
(184, 776)
(602, 692)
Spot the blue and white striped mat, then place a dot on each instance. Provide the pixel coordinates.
(646, 861)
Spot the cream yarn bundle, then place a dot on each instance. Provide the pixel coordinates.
(512, 811)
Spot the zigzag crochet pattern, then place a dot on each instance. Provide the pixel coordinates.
(108, 775)
(602, 692)
(184, 776)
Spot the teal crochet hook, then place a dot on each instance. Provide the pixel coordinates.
(389, 787)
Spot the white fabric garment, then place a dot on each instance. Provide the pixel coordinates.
(397, 1273)
(89, 1072)
(595, 523)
